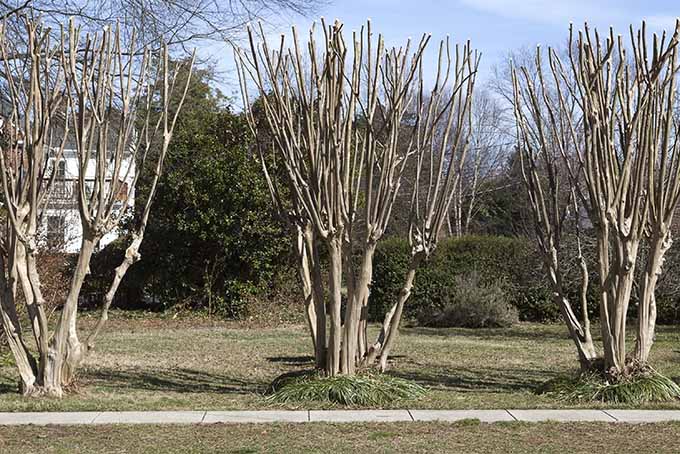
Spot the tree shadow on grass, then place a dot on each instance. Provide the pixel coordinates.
(479, 379)
(8, 387)
(292, 360)
(174, 380)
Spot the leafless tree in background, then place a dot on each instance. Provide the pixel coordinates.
(484, 163)
(178, 23)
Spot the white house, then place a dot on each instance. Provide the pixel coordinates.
(60, 221)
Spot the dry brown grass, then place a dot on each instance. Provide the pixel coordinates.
(150, 363)
(465, 436)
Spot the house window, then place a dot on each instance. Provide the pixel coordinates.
(56, 231)
(61, 170)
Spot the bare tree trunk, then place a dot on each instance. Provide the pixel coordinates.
(335, 287)
(621, 280)
(65, 350)
(360, 292)
(319, 300)
(131, 257)
(363, 331)
(580, 334)
(608, 343)
(391, 325)
(590, 353)
(661, 242)
(28, 369)
(306, 279)
(34, 307)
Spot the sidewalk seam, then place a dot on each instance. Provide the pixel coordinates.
(511, 415)
(610, 415)
(309, 415)
(205, 413)
(411, 415)
(96, 415)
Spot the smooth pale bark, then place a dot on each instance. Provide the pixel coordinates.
(65, 349)
(132, 256)
(581, 337)
(661, 242)
(28, 369)
(619, 286)
(335, 304)
(579, 333)
(355, 302)
(307, 287)
(34, 307)
(391, 325)
(362, 348)
(605, 318)
(319, 301)
(310, 276)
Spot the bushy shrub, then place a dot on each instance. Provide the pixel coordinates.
(511, 263)
(213, 240)
(472, 304)
(390, 264)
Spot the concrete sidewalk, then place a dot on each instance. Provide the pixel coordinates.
(339, 416)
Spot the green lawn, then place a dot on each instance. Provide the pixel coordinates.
(159, 364)
(465, 436)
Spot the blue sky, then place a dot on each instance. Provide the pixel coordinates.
(495, 27)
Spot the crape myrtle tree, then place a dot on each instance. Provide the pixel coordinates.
(83, 93)
(607, 141)
(344, 122)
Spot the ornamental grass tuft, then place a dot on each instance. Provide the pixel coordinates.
(643, 386)
(366, 389)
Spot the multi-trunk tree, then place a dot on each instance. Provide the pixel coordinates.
(341, 125)
(93, 97)
(598, 135)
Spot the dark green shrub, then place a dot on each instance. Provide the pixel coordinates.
(390, 264)
(511, 263)
(667, 311)
(472, 304)
(213, 240)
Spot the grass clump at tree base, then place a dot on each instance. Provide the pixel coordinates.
(365, 389)
(643, 385)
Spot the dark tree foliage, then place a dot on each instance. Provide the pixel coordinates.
(213, 238)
